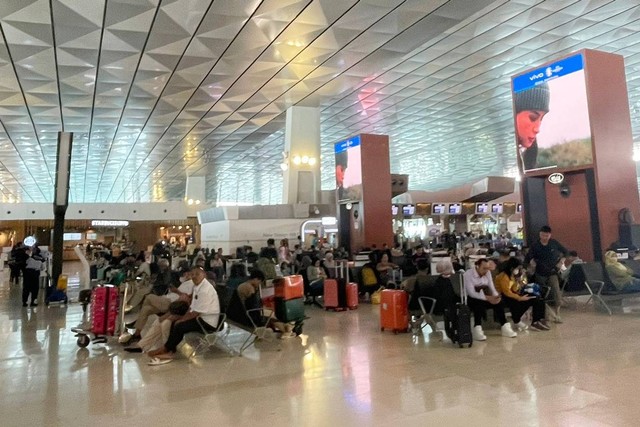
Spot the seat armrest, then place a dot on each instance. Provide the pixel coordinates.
(431, 301)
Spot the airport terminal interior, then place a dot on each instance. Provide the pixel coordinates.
(193, 125)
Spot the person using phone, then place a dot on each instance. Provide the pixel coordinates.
(483, 295)
(508, 283)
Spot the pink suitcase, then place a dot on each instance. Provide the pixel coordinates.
(394, 311)
(104, 310)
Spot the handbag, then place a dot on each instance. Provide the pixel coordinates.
(376, 297)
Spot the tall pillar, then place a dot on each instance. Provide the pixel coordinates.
(363, 193)
(61, 201)
(302, 150)
(577, 158)
(195, 191)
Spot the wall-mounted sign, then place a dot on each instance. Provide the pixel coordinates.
(556, 178)
(103, 223)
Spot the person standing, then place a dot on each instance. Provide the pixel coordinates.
(31, 280)
(545, 255)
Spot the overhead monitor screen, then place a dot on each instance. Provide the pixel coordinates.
(394, 210)
(439, 209)
(482, 208)
(455, 209)
(552, 118)
(408, 209)
(72, 236)
(496, 208)
(348, 170)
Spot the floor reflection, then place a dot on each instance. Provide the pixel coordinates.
(341, 371)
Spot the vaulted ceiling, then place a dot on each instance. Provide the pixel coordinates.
(155, 90)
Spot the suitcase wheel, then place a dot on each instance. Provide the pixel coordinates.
(83, 341)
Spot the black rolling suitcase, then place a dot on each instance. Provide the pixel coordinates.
(457, 321)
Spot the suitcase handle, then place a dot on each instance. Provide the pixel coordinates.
(463, 291)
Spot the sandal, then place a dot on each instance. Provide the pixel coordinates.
(157, 362)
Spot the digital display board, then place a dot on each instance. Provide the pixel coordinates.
(439, 209)
(482, 208)
(496, 208)
(348, 170)
(394, 210)
(551, 117)
(455, 209)
(408, 209)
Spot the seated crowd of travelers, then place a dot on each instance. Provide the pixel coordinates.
(190, 299)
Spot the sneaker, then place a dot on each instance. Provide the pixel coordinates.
(478, 334)
(507, 331)
(540, 326)
(544, 324)
(521, 326)
(536, 326)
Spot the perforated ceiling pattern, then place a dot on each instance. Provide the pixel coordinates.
(157, 89)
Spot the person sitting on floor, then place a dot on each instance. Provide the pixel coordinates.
(246, 298)
(203, 313)
(508, 283)
(621, 276)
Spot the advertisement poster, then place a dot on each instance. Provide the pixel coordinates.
(348, 170)
(552, 118)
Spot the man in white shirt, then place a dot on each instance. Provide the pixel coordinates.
(204, 312)
(482, 295)
(158, 304)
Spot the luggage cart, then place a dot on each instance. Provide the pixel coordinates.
(107, 316)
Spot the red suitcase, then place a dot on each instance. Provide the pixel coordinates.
(394, 311)
(104, 310)
(288, 287)
(332, 300)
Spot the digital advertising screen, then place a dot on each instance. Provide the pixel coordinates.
(408, 209)
(551, 117)
(348, 170)
(72, 236)
(496, 208)
(394, 210)
(455, 209)
(482, 208)
(439, 209)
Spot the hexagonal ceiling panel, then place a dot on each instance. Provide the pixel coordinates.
(155, 90)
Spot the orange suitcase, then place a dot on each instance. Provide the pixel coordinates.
(288, 287)
(394, 311)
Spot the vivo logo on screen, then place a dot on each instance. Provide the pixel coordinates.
(538, 76)
(348, 143)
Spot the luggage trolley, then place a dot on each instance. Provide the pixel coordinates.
(107, 316)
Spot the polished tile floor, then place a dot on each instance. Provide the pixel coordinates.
(343, 371)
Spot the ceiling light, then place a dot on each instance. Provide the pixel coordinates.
(305, 159)
(197, 202)
(190, 201)
(312, 161)
(284, 166)
(296, 160)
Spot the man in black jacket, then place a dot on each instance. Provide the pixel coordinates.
(546, 254)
